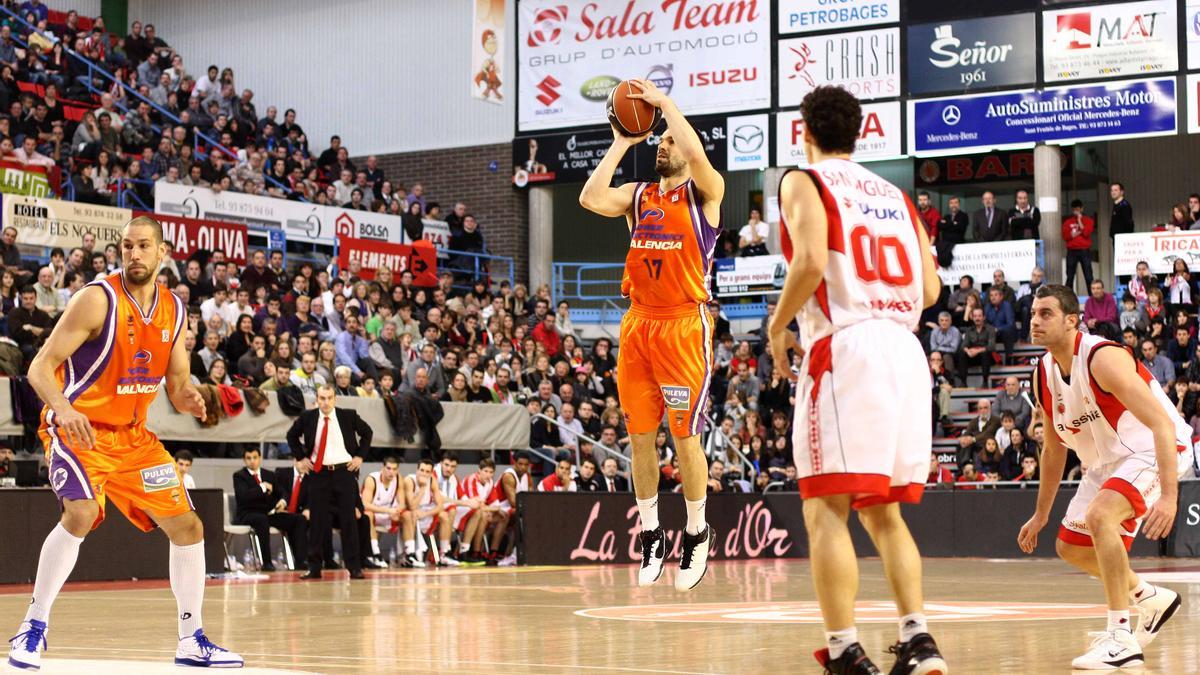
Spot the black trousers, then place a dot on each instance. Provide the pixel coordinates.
(333, 488)
(293, 526)
(364, 540)
(1082, 257)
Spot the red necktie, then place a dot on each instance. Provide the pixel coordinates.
(294, 500)
(317, 465)
(257, 479)
(611, 488)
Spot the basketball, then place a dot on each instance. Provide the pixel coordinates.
(631, 116)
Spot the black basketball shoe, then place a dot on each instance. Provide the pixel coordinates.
(853, 661)
(918, 656)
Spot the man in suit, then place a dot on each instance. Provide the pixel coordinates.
(989, 223)
(260, 505)
(293, 487)
(610, 480)
(587, 480)
(977, 432)
(328, 444)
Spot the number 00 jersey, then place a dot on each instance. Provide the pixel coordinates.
(1091, 421)
(113, 378)
(874, 268)
(670, 249)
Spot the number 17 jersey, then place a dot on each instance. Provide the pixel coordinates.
(874, 267)
(670, 249)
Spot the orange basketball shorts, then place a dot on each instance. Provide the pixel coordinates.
(664, 366)
(128, 465)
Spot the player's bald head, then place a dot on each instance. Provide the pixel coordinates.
(145, 221)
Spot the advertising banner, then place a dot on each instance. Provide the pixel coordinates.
(365, 224)
(752, 275)
(974, 53)
(1160, 250)
(1099, 111)
(30, 180)
(881, 138)
(436, 232)
(710, 58)
(810, 16)
(571, 157)
(1016, 258)
(1191, 28)
(189, 235)
(420, 258)
(1001, 165)
(1192, 95)
(487, 52)
(748, 142)
(1118, 40)
(865, 63)
(1186, 536)
(53, 222)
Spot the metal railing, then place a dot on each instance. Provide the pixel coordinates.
(95, 71)
(710, 448)
(609, 452)
(587, 282)
(491, 268)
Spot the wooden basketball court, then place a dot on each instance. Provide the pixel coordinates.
(990, 616)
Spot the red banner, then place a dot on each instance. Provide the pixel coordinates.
(193, 234)
(420, 258)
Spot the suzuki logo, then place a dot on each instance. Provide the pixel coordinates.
(951, 115)
(344, 224)
(549, 88)
(545, 26)
(747, 138)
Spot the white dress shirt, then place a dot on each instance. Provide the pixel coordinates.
(335, 443)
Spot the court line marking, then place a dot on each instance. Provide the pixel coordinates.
(587, 613)
(393, 660)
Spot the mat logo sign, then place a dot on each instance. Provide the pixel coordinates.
(1111, 40)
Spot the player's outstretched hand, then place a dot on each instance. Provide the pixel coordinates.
(619, 137)
(781, 342)
(1027, 539)
(649, 92)
(192, 403)
(1159, 519)
(78, 429)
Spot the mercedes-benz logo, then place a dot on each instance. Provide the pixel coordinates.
(747, 138)
(951, 115)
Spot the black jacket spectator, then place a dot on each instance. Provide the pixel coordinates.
(990, 228)
(1122, 218)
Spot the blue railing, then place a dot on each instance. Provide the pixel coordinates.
(466, 267)
(587, 282)
(96, 71)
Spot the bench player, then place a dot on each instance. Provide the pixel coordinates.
(380, 498)
(666, 356)
(859, 274)
(98, 373)
(1102, 403)
(425, 500)
(478, 513)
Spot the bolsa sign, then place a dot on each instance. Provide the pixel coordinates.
(962, 55)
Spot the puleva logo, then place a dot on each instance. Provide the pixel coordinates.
(676, 397)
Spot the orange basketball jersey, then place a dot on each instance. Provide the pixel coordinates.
(670, 250)
(113, 378)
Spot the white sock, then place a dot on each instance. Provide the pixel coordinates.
(59, 552)
(1142, 591)
(464, 547)
(187, 583)
(648, 510)
(444, 547)
(838, 640)
(695, 515)
(1119, 620)
(911, 625)
(410, 546)
(375, 547)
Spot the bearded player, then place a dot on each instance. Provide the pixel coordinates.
(665, 361)
(98, 373)
(1102, 403)
(857, 279)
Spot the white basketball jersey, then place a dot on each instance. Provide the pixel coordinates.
(874, 268)
(425, 494)
(385, 495)
(449, 486)
(1091, 421)
(522, 486)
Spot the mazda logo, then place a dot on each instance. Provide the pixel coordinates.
(747, 138)
(951, 115)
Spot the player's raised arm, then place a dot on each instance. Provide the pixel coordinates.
(708, 180)
(1114, 370)
(180, 390)
(598, 195)
(808, 227)
(84, 316)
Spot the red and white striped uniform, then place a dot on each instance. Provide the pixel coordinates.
(471, 488)
(1115, 447)
(863, 406)
(498, 496)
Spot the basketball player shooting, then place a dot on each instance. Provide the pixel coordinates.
(98, 373)
(858, 276)
(665, 358)
(1100, 402)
